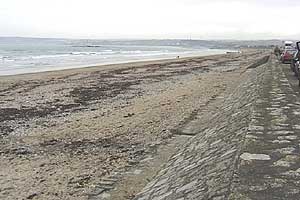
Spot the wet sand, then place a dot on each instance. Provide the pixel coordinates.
(73, 134)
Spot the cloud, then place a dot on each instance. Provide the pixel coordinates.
(149, 18)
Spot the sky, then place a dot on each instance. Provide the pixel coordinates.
(151, 19)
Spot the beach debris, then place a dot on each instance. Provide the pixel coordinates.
(249, 156)
(129, 115)
(32, 196)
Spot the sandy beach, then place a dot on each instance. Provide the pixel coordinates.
(76, 133)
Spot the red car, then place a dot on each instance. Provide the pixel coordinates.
(287, 55)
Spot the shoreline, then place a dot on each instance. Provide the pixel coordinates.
(106, 66)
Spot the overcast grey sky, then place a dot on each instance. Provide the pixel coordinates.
(199, 19)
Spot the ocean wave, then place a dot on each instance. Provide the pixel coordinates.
(53, 56)
(87, 46)
(87, 53)
(82, 53)
(48, 56)
(6, 58)
(132, 52)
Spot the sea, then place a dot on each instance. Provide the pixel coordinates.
(29, 55)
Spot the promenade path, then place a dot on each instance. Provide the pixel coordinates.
(249, 149)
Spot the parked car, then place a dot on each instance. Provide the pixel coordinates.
(287, 55)
(297, 66)
(295, 61)
(288, 44)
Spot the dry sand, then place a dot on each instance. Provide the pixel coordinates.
(64, 133)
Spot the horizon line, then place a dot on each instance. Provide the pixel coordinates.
(186, 39)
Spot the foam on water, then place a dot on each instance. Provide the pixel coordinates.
(23, 55)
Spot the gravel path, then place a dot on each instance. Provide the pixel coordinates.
(269, 167)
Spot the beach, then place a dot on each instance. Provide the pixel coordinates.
(77, 133)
